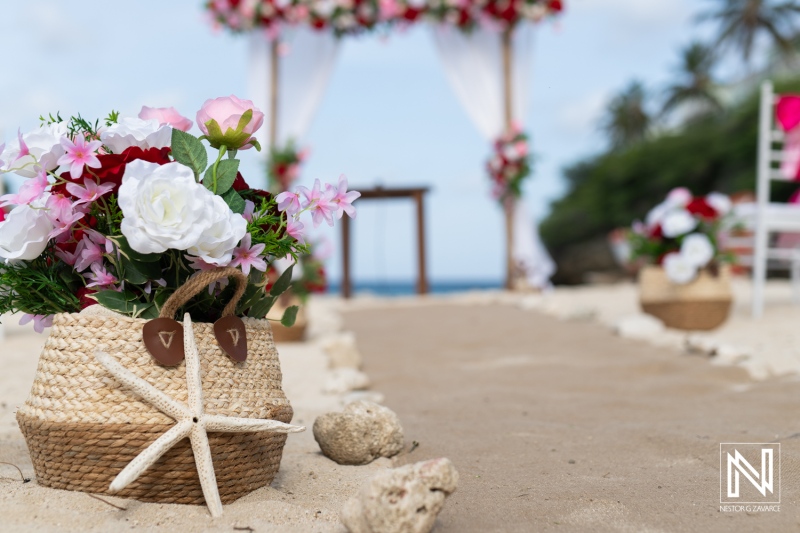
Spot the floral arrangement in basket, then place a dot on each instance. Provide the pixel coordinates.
(502, 14)
(343, 17)
(283, 166)
(510, 164)
(314, 279)
(682, 235)
(123, 212)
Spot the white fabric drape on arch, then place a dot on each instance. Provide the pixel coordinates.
(473, 64)
(303, 74)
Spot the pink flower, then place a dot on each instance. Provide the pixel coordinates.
(221, 122)
(87, 253)
(249, 210)
(100, 277)
(62, 214)
(343, 200)
(79, 153)
(30, 191)
(90, 191)
(320, 202)
(166, 116)
(246, 256)
(39, 321)
(295, 229)
(289, 202)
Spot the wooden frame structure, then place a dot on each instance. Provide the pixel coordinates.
(381, 193)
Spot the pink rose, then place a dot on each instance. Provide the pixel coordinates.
(166, 116)
(229, 121)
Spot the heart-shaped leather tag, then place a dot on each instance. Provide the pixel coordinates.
(163, 338)
(232, 337)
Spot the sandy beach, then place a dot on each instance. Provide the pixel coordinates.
(554, 421)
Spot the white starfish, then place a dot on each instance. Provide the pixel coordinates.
(192, 422)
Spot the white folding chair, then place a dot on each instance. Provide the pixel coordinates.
(770, 217)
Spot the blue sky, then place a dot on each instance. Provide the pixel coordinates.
(388, 117)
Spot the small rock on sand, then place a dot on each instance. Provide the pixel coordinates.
(402, 500)
(342, 350)
(638, 327)
(341, 380)
(360, 434)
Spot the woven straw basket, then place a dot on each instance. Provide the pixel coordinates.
(702, 304)
(82, 427)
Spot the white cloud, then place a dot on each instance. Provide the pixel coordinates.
(646, 12)
(581, 116)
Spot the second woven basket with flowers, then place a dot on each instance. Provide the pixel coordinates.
(83, 426)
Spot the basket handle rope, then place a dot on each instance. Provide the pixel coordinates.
(200, 281)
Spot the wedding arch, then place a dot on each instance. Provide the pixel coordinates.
(484, 46)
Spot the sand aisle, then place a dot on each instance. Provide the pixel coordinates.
(561, 426)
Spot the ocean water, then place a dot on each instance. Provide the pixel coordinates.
(405, 288)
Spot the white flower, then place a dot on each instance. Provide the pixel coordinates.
(677, 223)
(216, 244)
(164, 208)
(697, 249)
(679, 197)
(678, 269)
(44, 147)
(133, 131)
(24, 233)
(657, 214)
(720, 202)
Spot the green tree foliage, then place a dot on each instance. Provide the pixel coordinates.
(614, 188)
(627, 120)
(696, 85)
(741, 22)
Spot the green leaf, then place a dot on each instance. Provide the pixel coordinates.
(245, 119)
(234, 201)
(188, 150)
(255, 144)
(283, 282)
(289, 316)
(132, 274)
(134, 255)
(121, 302)
(262, 307)
(149, 313)
(226, 175)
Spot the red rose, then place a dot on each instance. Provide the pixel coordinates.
(112, 167)
(555, 5)
(239, 184)
(83, 295)
(2, 214)
(656, 232)
(699, 207)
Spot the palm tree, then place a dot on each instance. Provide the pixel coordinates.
(627, 121)
(697, 84)
(742, 21)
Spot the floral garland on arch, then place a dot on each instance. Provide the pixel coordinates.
(122, 212)
(283, 166)
(682, 234)
(509, 165)
(348, 17)
(343, 17)
(468, 14)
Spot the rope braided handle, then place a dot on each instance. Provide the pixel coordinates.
(200, 281)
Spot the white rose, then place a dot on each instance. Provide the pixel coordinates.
(697, 249)
(679, 197)
(720, 202)
(227, 228)
(678, 269)
(164, 208)
(24, 233)
(677, 223)
(134, 131)
(44, 146)
(657, 214)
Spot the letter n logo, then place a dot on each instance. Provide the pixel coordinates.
(749, 472)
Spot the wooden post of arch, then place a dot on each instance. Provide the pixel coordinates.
(508, 112)
(273, 95)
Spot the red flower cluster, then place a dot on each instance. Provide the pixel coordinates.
(700, 207)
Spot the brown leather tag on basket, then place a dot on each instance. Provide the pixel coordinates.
(163, 338)
(232, 337)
